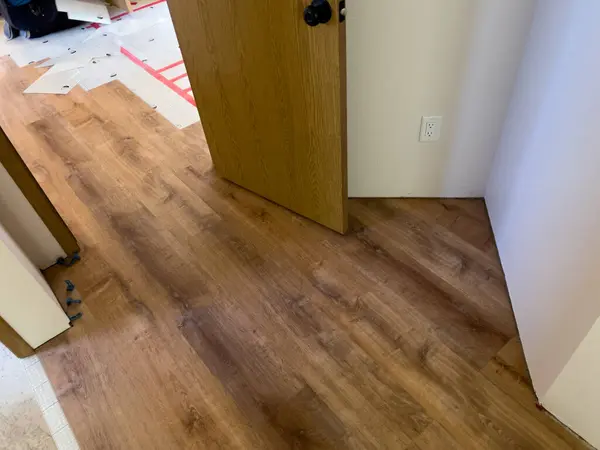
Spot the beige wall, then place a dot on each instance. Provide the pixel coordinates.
(544, 202)
(413, 58)
(575, 394)
(25, 226)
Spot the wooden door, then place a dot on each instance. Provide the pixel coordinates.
(271, 95)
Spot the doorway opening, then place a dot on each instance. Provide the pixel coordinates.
(137, 47)
(213, 317)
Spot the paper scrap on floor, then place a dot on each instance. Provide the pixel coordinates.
(139, 49)
(84, 10)
(61, 78)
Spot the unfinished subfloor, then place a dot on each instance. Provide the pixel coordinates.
(214, 319)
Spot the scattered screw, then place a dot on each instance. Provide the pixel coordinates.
(76, 316)
(64, 262)
(71, 301)
(70, 286)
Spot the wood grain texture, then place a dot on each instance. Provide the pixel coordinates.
(271, 94)
(508, 370)
(125, 5)
(11, 340)
(215, 319)
(23, 178)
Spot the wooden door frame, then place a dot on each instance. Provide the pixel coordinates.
(23, 178)
(13, 341)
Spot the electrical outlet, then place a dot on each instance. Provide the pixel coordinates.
(431, 128)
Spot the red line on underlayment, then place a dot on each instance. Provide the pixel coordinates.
(179, 77)
(139, 8)
(118, 16)
(170, 66)
(181, 92)
(148, 5)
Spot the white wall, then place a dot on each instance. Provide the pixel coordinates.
(27, 303)
(544, 199)
(410, 58)
(25, 226)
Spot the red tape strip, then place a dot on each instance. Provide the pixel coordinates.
(118, 16)
(183, 93)
(179, 77)
(170, 66)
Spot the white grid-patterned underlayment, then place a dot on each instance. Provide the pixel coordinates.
(30, 415)
(139, 49)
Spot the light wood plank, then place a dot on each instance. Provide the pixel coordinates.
(125, 5)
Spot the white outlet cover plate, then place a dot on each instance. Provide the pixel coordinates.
(431, 128)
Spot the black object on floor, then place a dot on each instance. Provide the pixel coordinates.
(10, 32)
(36, 18)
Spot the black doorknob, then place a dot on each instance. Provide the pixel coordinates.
(319, 11)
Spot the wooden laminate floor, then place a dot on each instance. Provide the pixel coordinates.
(214, 319)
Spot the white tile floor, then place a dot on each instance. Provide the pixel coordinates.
(30, 415)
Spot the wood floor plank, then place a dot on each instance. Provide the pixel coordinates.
(450, 316)
(466, 218)
(508, 371)
(215, 319)
(435, 437)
